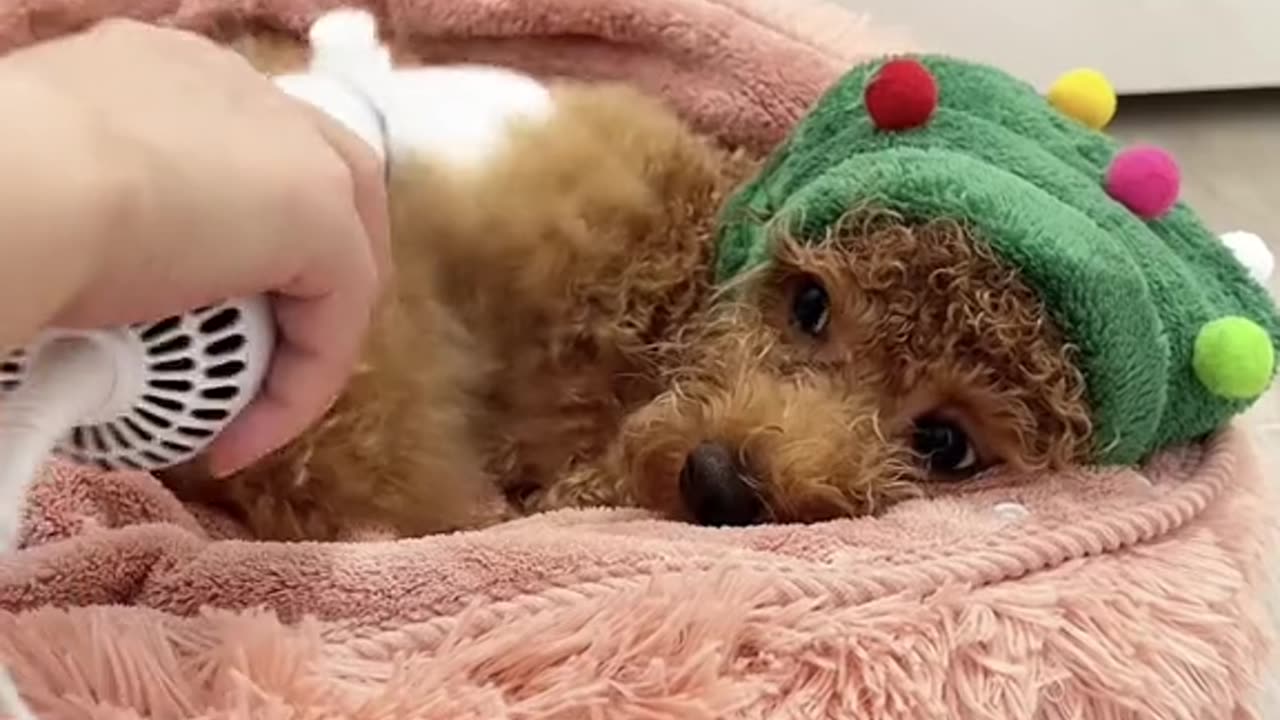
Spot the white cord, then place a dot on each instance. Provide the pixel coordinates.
(11, 705)
(68, 379)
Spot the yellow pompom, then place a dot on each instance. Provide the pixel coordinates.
(1085, 95)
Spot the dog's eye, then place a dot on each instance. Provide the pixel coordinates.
(810, 307)
(945, 447)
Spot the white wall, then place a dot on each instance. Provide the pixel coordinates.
(1142, 45)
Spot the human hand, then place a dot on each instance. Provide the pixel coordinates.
(221, 186)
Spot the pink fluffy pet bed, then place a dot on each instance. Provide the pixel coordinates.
(1133, 593)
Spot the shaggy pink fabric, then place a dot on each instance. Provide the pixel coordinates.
(1119, 594)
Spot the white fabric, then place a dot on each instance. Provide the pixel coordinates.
(457, 114)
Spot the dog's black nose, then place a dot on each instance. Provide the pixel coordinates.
(716, 489)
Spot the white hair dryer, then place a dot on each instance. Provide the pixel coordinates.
(142, 397)
(153, 395)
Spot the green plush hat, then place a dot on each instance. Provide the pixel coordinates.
(1175, 336)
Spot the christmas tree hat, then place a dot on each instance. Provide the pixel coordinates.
(1175, 330)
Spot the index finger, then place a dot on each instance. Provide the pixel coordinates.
(368, 175)
(321, 339)
(322, 317)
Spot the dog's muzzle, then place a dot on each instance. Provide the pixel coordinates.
(717, 489)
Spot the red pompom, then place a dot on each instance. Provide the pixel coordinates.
(902, 95)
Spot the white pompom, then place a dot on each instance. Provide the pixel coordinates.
(345, 42)
(345, 28)
(1252, 253)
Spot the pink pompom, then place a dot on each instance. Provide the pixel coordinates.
(1144, 179)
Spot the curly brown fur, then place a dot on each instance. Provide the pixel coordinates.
(925, 321)
(553, 338)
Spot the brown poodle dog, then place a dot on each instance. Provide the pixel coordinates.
(553, 338)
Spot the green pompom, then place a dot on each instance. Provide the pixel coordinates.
(1234, 358)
